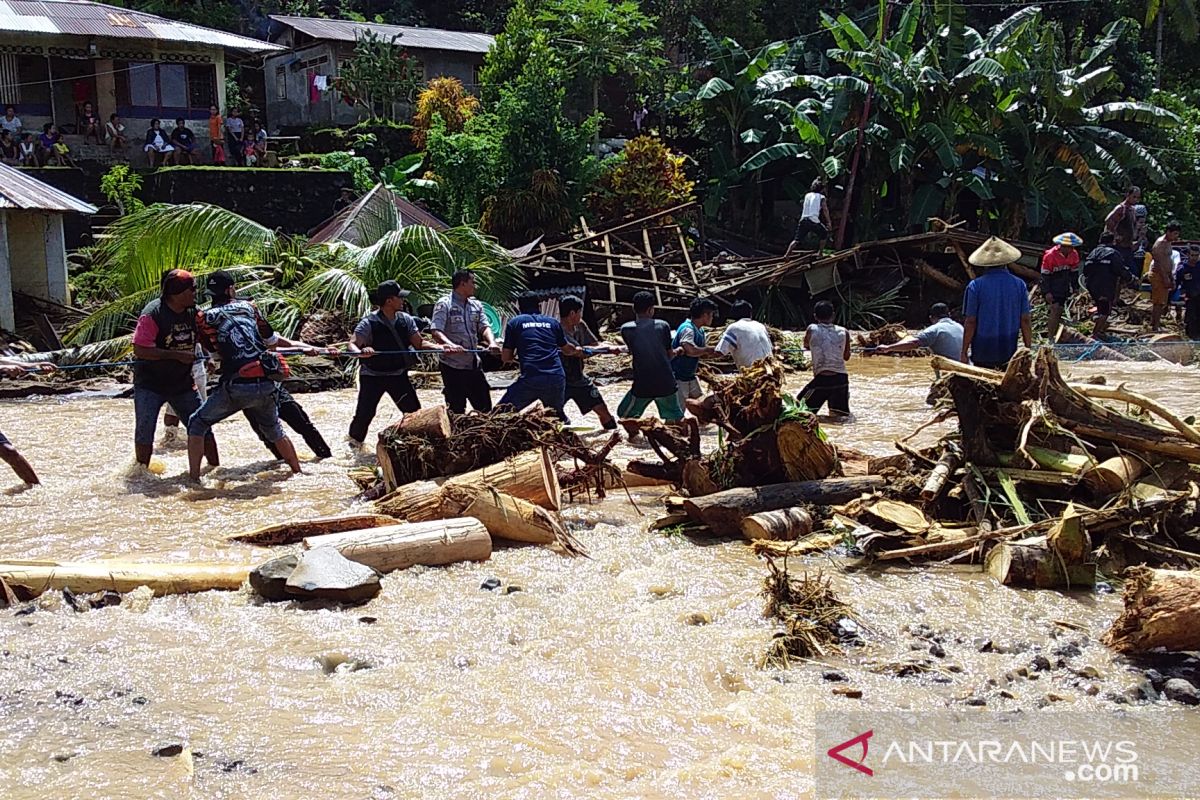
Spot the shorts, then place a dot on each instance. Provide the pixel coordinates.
(1102, 294)
(832, 388)
(632, 407)
(549, 389)
(585, 395)
(255, 397)
(1057, 287)
(1160, 293)
(687, 390)
(146, 405)
(807, 226)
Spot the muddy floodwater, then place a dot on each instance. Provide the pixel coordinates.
(591, 681)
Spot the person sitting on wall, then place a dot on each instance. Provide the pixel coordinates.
(158, 148)
(89, 120)
(10, 151)
(115, 130)
(184, 142)
(52, 148)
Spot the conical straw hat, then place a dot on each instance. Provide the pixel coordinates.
(994, 252)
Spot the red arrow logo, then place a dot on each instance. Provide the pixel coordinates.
(835, 752)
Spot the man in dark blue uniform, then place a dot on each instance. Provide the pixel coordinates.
(539, 342)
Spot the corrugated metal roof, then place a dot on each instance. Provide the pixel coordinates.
(342, 30)
(19, 190)
(84, 18)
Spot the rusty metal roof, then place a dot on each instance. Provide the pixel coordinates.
(342, 30)
(84, 18)
(21, 191)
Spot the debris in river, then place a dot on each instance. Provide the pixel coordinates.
(1162, 610)
(270, 579)
(811, 613)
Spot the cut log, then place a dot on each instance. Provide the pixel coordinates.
(1114, 474)
(927, 270)
(696, 478)
(945, 467)
(529, 476)
(445, 541)
(1095, 348)
(785, 524)
(1172, 347)
(419, 501)
(723, 512)
(432, 422)
(805, 453)
(1162, 609)
(508, 517)
(648, 473)
(291, 532)
(634, 480)
(1054, 561)
(123, 576)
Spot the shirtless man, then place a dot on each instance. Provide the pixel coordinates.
(1162, 273)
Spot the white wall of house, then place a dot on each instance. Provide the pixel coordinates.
(7, 315)
(37, 257)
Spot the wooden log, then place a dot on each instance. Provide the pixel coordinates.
(419, 501)
(432, 422)
(945, 467)
(433, 543)
(1068, 335)
(507, 517)
(696, 478)
(123, 576)
(291, 532)
(386, 466)
(927, 270)
(1162, 610)
(723, 512)
(1054, 561)
(1124, 395)
(634, 480)
(805, 453)
(1114, 474)
(785, 524)
(529, 476)
(649, 473)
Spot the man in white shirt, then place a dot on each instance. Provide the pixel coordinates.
(744, 339)
(11, 122)
(814, 218)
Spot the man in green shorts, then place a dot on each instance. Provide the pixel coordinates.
(649, 342)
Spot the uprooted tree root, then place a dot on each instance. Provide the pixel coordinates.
(810, 612)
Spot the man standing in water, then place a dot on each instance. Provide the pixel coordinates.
(1162, 273)
(1060, 265)
(580, 388)
(540, 343)
(234, 330)
(692, 342)
(12, 368)
(944, 336)
(1121, 222)
(164, 349)
(459, 321)
(1104, 272)
(390, 330)
(995, 307)
(649, 342)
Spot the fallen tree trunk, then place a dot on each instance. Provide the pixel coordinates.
(529, 476)
(508, 517)
(432, 422)
(945, 467)
(1162, 609)
(393, 547)
(1114, 474)
(723, 512)
(419, 501)
(1068, 335)
(805, 454)
(1053, 561)
(291, 532)
(123, 576)
(785, 524)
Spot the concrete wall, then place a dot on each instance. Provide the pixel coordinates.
(7, 317)
(292, 200)
(296, 109)
(36, 254)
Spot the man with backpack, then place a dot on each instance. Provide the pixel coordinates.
(237, 334)
(385, 340)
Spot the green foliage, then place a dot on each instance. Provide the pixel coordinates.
(1178, 150)
(378, 76)
(403, 177)
(120, 186)
(646, 177)
(445, 98)
(357, 166)
(238, 95)
(466, 167)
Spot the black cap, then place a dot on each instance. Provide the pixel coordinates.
(219, 283)
(389, 289)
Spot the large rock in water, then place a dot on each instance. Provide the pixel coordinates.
(270, 579)
(325, 574)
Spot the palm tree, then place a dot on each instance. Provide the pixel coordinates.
(287, 276)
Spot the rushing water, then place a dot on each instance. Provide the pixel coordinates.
(588, 683)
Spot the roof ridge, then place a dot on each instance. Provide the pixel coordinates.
(284, 17)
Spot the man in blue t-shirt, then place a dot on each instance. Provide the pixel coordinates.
(995, 308)
(691, 341)
(539, 342)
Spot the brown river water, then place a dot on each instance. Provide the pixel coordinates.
(588, 683)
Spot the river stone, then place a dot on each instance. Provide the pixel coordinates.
(1181, 691)
(270, 579)
(325, 574)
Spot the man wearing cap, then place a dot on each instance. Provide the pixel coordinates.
(995, 308)
(540, 343)
(1104, 271)
(459, 321)
(164, 349)
(236, 332)
(385, 340)
(943, 337)
(1059, 266)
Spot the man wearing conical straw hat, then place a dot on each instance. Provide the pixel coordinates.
(995, 308)
(1060, 275)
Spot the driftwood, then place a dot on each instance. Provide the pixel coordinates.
(1114, 474)
(432, 422)
(945, 467)
(1162, 610)
(722, 512)
(508, 517)
(1054, 561)
(36, 577)
(786, 524)
(291, 532)
(393, 547)
(529, 476)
